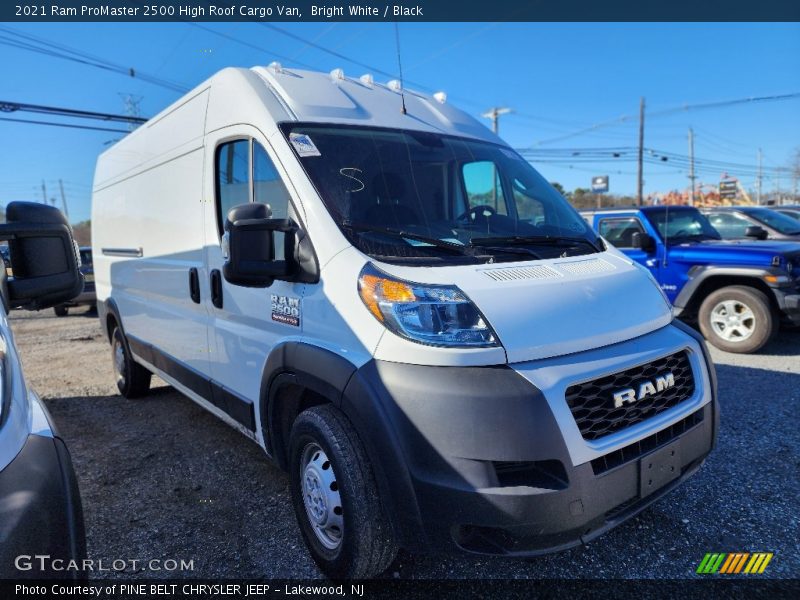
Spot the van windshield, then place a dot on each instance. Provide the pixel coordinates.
(407, 195)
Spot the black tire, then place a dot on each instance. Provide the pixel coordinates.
(133, 380)
(61, 310)
(762, 324)
(367, 544)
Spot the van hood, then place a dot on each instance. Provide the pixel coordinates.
(554, 307)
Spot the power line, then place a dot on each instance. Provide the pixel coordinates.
(673, 110)
(32, 43)
(8, 107)
(70, 125)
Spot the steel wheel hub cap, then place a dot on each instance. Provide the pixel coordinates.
(321, 496)
(119, 361)
(733, 321)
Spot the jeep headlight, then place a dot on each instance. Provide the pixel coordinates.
(437, 315)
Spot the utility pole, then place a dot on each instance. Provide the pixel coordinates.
(63, 199)
(691, 167)
(44, 193)
(131, 103)
(494, 114)
(758, 179)
(640, 178)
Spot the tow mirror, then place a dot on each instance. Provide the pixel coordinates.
(249, 246)
(643, 241)
(44, 257)
(754, 231)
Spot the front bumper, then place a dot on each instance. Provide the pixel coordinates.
(40, 511)
(476, 459)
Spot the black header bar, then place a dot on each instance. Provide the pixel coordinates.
(399, 10)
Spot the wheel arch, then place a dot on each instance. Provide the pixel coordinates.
(711, 280)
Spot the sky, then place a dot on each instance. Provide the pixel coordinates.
(571, 86)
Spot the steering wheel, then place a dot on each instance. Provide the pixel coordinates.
(680, 232)
(483, 210)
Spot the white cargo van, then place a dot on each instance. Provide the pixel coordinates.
(402, 312)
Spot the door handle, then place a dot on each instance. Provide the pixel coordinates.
(216, 288)
(194, 285)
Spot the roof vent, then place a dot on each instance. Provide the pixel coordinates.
(367, 80)
(395, 85)
(440, 97)
(275, 67)
(337, 75)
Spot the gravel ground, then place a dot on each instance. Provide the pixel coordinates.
(161, 478)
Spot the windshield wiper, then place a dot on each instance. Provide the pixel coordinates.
(536, 240)
(399, 233)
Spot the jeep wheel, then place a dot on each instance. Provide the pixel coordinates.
(737, 319)
(335, 497)
(60, 310)
(133, 380)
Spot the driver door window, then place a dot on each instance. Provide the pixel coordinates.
(482, 186)
(729, 225)
(619, 232)
(245, 173)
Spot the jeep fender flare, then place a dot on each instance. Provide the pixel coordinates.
(700, 274)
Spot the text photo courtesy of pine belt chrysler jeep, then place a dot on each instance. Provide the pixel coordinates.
(401, 311)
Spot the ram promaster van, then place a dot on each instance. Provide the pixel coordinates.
(401, 311)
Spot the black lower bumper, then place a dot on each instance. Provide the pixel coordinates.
(472, 458)
(789, 303)
(40, 512)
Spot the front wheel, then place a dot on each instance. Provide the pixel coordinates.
(737, 319)
(133, 380)
(60, 310)
(335, 497)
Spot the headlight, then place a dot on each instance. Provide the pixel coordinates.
(437, 315)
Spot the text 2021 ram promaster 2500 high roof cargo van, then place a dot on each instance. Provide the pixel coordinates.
(401, 311)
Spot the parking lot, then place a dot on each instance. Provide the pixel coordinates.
(161, 478)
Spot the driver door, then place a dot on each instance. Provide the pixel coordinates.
(243, 328)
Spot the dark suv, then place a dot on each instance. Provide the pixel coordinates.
(87, 296)
(760, 222)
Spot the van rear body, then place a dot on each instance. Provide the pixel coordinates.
(415, 294)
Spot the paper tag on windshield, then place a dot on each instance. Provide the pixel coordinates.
(303, 145)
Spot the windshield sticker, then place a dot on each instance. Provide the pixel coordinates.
(303, 145)
(286, 310)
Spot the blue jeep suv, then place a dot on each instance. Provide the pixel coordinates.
(738, 291)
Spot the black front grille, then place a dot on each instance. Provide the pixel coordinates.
(638, 449)
(592, 403)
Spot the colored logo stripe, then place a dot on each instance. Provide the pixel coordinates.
(731, 563)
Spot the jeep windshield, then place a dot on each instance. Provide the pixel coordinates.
(681, 224)
(408, 196)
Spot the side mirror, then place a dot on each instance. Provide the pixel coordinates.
(754, 231)
(643, 241)
(250, 244)
(44, 257)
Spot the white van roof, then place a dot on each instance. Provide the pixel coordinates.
(264, 96)
(335, 97)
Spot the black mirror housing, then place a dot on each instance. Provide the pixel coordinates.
(643, 241)
(44, 259)
(755, 231)
(249, 230)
